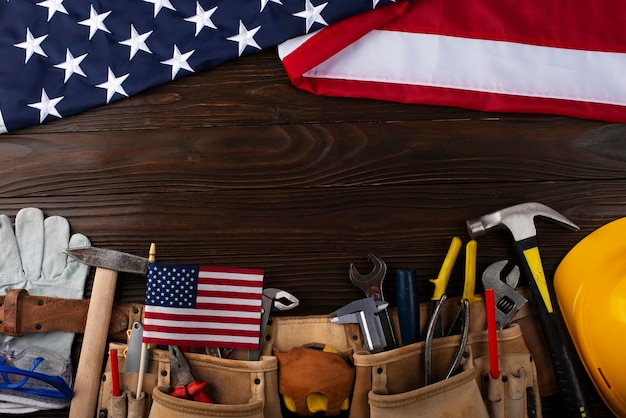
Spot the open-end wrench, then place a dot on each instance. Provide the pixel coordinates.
(273, 300)
(503, 279)
(372, 285)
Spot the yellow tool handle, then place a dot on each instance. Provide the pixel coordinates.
(470, 272)
(441, 282)
(533, 259)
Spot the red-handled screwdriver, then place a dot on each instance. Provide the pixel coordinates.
(492, 334)
(185, 385)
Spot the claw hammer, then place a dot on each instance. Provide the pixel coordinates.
(108, 263)
(520, 221)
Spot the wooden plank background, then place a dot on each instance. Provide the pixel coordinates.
(236, 167)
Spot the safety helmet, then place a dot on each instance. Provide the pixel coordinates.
(590, 286)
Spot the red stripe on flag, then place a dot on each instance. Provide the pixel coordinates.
(230, 282)
(203, 318)
(255, 272)
(228, 295)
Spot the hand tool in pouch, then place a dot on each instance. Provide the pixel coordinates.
(408, 306)
(364, 312)
(273, 300)
(184, 385)
(468, 287)
(372, 285)
(520, 221)
(134, 350)
(430, 335)
(502, 279)
(441, 282)
(490, 306)
(108, 263)
(115, 373)
(144, 346)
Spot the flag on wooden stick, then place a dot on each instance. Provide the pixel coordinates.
(202, 306)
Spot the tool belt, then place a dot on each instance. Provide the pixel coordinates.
(21, 313)
(385, 384)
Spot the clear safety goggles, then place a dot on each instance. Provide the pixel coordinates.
(35, 372)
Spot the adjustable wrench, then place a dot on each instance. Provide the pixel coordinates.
(372, 285)
(503, 282)
(273, 300)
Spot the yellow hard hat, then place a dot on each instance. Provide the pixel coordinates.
(590, 286)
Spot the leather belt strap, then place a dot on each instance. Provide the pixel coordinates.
(21, 313)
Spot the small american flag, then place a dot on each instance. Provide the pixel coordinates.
(203, 306)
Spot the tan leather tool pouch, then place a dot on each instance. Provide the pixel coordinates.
(285, 333)
(238, 388)
(312, 381)
(515, 393)
(390, 384)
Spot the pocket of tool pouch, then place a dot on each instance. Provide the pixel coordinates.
(166, 406)
(514, 394)
(238, 388)
(391, 383)
(444, 398)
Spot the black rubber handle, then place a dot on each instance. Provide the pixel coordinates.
(568, 369)
(408, 306)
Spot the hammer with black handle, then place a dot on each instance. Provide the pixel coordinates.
(519, 220)
(108, 263)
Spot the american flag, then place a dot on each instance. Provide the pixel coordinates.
(202, 306)
(563, 57)
(60, 57)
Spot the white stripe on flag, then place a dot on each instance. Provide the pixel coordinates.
(230, 276)
(226, 288)
(203, 325)
(229, 301)
(488, 66)
(200, 337)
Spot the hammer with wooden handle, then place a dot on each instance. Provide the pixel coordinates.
(108, 263)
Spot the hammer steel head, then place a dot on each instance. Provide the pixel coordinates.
(519, 219)
(109, 259)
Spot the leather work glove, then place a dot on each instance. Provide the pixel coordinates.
(32, 258)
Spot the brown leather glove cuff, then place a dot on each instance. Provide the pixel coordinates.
(21, 313)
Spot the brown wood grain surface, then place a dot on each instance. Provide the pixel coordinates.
(236, 167)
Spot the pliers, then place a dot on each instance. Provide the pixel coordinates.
(461, 323)
(184, 384)
(428, 343)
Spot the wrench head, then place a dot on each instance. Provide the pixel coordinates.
(503, 271)
(273, 300)
(502, 277)
(371, 283)
(281, 299)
